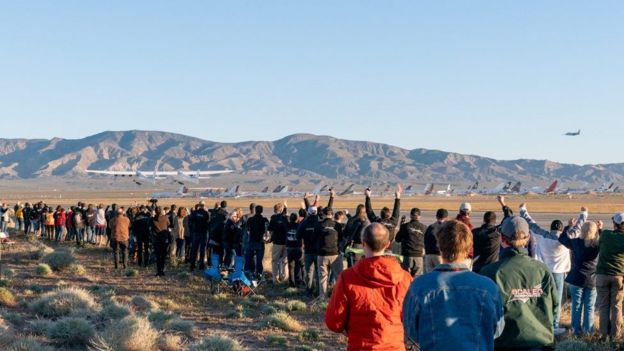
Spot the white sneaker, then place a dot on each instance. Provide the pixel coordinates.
(559, 331)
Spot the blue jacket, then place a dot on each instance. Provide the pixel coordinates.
(452, 308)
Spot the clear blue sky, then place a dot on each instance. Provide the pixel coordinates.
(496, 78)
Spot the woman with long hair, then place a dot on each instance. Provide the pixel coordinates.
(180, 227)
(160, 226)
(582, 239)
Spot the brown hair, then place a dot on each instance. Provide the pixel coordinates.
(454, 240)
(376, 236)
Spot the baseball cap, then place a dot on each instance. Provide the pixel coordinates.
(618, 218)
(312, 210)
(465, 206)
(512, 225)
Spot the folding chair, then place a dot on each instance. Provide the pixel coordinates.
(238, 280)
(214, 274)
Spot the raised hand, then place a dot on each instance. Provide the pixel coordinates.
(583, 209)
(501, 200)
(367, 192)
(399, 190)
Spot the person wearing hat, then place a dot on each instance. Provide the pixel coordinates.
(527, 288)
(411, 235)
(452, 308)
(464, 214)
(609, 281)
(555, 255)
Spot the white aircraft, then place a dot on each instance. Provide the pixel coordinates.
(577, 133)
(180, 177)
(181, 193)
(606, 188)
(552, 189)
(473, 189)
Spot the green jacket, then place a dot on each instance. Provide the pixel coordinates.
(611, 253)
(528, 291)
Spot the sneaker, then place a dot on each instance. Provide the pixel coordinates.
(559, 331)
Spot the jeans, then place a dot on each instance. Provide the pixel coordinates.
(117, 247)
(90, 234)
(413, 265)
(295, 266)
(179, 248)
(583, 301)
(559, 281)
(188, 242)
(311, 271)
(19, 224)
(254, 257)
(609, 301)
(59, 232)
(229, 253)
(199, 246)
(279, 263)
(80, 235)
(325, 264)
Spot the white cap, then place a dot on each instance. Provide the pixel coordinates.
(465, 206)
(618, 218)
(312, 210)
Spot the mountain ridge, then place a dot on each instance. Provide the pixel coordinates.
(303, 155)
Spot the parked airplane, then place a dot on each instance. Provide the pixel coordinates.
(573, 133)
(181, 193)
(473, 189)
(551, 189)
(180, 177)
(606, 188)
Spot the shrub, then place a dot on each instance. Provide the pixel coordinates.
(61, 303)
(131, 272)
(36, 288)
(160, 318)
(5, 283)
(181, 326)
(217, 343)
(40, 326)
(8, 273)
(40, 251)
(283, 321)
(114, 310)
(29, 344)
(60, 259)
(220, 296)
(296, 305)
(257, 298)
(277, 340)
(43, 270)
(77, 270)
(573, 345)
(184, 275)
(308, 335)
(102, 290)
(131, 334)
(268, 309)
(169, 342)
(72, 331)
(6, 298)
(142, 303)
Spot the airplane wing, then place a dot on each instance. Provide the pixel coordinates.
(115, 173)
(201, 173)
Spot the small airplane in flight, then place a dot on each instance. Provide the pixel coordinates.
(577, 133)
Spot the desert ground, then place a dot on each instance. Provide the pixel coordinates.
(178, 311)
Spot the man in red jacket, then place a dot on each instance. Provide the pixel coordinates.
(367, 301)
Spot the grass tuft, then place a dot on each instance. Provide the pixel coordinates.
(283, 321)
(63, 302)
(277, 340)
(6, 298)
(72, 331)
(131, 334)
(217, 343)
(296, 305)
(131, 272)
(142, 303)
(43, 270)
(60, 259)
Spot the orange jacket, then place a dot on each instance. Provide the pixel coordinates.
(367, 304)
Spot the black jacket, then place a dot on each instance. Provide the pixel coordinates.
(142, 226)
(412, 239)
(232, 234)
(305, 232)
(486, 242)
(198, 221)
(391, 223)
(217, 223)
(353, 230)
(328, 235)
(278, 226)
(292, 241)
(257, 225)
(431, 240)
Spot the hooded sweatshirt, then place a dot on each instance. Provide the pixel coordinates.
(367, 304)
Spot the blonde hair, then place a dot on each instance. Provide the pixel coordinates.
(589, 233)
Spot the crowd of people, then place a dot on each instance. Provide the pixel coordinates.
(447, 285)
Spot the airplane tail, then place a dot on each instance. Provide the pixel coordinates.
(347, 190)
(265, 190)
(516, 187)
(428, 189)
(552, 187)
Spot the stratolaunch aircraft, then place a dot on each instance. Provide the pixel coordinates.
(180, 177)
